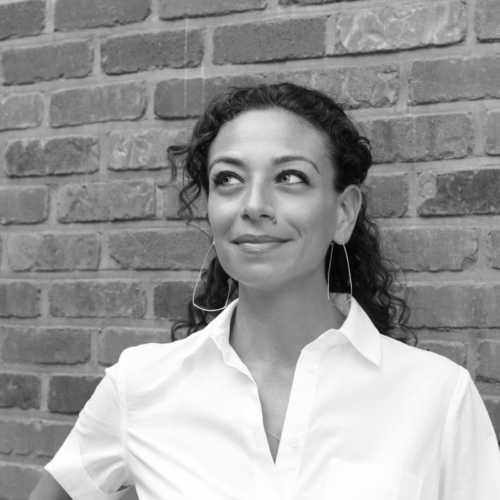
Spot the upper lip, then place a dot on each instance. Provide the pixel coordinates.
(256, 238)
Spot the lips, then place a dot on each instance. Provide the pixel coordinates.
(257, 239)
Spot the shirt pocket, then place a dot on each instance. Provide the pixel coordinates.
(348, 481)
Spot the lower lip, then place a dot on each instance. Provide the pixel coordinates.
(260, 247)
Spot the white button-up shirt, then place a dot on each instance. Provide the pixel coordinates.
(368, 418)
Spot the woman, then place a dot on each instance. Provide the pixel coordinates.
(299, 388)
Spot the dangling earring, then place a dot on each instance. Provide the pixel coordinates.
(348, 270)
(198, 280)
(328, 276)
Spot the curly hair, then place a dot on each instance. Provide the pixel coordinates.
(373, 277)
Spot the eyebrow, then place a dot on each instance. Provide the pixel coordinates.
(280, 160)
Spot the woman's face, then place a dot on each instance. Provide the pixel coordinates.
(265, 165)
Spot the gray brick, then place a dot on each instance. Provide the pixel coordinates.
(487, 20)
(177, 9)
(23, 205)
(19, 390)
(179, 98)
(20, 111)
(18, 19)
(19, 299)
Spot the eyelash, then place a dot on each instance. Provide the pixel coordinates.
(217, 180)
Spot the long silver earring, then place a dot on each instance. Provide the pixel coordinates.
(348, 270)
(198, 280)
(328, 276)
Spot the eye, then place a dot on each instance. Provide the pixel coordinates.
(226, 179)
(292, 177)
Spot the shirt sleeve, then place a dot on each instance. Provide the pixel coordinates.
(92, 462)
(470, 453)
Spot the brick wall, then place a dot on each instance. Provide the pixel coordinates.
(92, 257)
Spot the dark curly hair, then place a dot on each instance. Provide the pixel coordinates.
(373, 277)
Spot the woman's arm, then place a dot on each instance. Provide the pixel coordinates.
(49, 489)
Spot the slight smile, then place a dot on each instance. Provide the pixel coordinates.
(257, 243)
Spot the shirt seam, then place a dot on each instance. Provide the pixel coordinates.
(124, 413)
(452, 402)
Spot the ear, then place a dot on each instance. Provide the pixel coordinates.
(349, 204)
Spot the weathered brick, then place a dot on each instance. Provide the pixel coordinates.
(106, 201)
(47, 62)
(493, 406)
(219, 84)
(457, 305)
(269, 41)
(23, 205)
(19, 299)
(58, 155)
(456, 351)
(179, 98)
(19, 390)
(488, 367)
(97, 104)
(53, 252)
(171, 204)
(177, 9)
(420, 138)
(18, 19)
(493, 133)
(137, 150)
(399, 27)
(66, 346)
(69, 393)
(487, 21)
(431, 249)
(158, 249)
(459, 193)
(97, 299)
(113, 341)
(18, 481)
(310, 2)
(454, 79)
(32, 437)
(169, 49)
(20, 111)
(171, 299)
(494, 249)
(388, 195)
(80, 14)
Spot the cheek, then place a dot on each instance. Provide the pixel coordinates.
(220, 214)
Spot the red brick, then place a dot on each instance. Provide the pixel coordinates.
(20, 111)
(54, 252)
(54, 156)
(387, 195)
(80, 14)
(457, 305)
(47, 62)
(171, 203)
(487, 21)
(493, 133)
(494, 249)
(66, 346)
(113, 341)
(431, 249)
(97, 104)
(32, 437)
(399, 27)
(159, 249)
(169, 49)
(493, 406)
(456, 351)
(488, 356)
(106, 201)
(23, 205)
(179, 98)
(172, 298)
(459, 193)
(138, 150)
(420, 138)
(454, 79)
(97, 299)
(269, 41)
(18, 481)
(18, 19)
(177, 9)
(19, 299)
(69, 393)
(19, 390)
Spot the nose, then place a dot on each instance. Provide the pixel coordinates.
(258, 203)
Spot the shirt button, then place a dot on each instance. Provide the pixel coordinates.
(309, 368)
(294, 442)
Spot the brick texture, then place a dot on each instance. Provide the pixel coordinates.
(171, 299)
(80, 14)
(19, 391)
(23, 205)
(399, 27)
(48, 62)
(488, 368)
(170, 49)
(458, 193)
(179, 98)
(120, 200)
(20, 111)
(494, 249)
(456, 351)
(97, 104)
(493, 133)
(388, 195)
(487, 21)
(97, 299)
(18, 481)
(19, 299)
(18, 19)
(69, 393)
(269, 41)
(55, 156)
(177, 9)
(45, 345)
